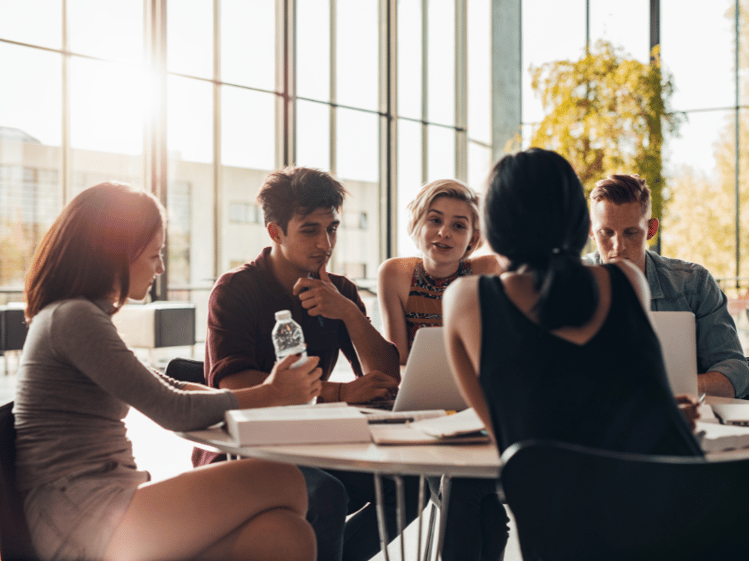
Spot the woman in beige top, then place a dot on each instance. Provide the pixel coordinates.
(84, 496)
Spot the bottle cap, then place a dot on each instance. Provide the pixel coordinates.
(282, 315)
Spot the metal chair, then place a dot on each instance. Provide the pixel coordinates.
(578, 503)
(185, 370)
(15, 541)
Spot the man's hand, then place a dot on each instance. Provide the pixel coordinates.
(715, 383)
(320, 297)
(294, 386)
(689, 406)
(371, 386)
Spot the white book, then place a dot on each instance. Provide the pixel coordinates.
(297, 425)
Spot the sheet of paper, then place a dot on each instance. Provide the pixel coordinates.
(465, 422)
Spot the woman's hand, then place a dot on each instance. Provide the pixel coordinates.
(294, 386)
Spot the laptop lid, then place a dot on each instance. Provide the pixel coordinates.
(677, 334)
(428, 382)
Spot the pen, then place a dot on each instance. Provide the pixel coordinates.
(396, 421)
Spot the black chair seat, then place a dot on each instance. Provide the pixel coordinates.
(577, 503)
(15, 542)
(185, 370)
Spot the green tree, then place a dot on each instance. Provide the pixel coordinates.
(607, 113)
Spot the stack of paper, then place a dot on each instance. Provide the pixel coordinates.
(461, 428)
(716, 437)
(297, 425)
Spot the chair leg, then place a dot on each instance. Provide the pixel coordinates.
(430, 532)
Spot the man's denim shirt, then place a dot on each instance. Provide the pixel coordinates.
(681, 286)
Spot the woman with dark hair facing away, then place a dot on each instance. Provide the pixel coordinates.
(554, 349)
(84, 496)
(443, 221)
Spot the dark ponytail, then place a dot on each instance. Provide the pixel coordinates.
(536, 215)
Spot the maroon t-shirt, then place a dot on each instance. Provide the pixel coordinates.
(241, 316)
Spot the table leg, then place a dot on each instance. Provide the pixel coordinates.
(445, 492)
(381, 516)
(400, 512)
(422, 498)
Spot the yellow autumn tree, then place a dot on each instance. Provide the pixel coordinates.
(700, 222)
(607, 113)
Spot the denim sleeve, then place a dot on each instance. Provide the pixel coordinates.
(718, 345)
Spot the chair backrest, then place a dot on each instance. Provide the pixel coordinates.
(578, 503)
(15, 542)
(185, 370)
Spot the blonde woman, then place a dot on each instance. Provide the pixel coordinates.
(444, 224)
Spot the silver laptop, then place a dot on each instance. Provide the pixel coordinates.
(428, 382)
(678, 337)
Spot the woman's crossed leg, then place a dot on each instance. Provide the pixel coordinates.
(246, 509)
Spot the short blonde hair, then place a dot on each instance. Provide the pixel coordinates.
(452, 189)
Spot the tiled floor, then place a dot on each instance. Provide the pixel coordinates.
(164, 455)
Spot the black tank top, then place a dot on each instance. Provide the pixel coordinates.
(610, 393)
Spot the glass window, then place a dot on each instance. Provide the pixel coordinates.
(190, 120)
(22, 21)
(703, 69)
(545, 40)
(31, 100)
(441, 153)
(106, 123)
(248, 131)
(313, 135)
(112, 30)
(357, 151)
(30, 156)
(106, 106)
(479, 164)
(701, 170)
(190, 170)
(313, 49)
(409, 179)
(248, 42)
(441, 66)
(358, 250)
(409, 58)
(479, 71)
(190, 37)
(357, 58)
(622, 25)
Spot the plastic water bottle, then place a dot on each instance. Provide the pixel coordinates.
(288, 338)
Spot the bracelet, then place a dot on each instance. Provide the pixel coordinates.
(339, 390)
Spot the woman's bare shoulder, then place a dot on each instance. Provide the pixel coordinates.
(401, 266)
(462, 293)
(486, 265)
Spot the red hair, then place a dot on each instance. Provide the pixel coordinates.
(90, 246)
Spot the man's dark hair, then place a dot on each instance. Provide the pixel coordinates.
(298, 190)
